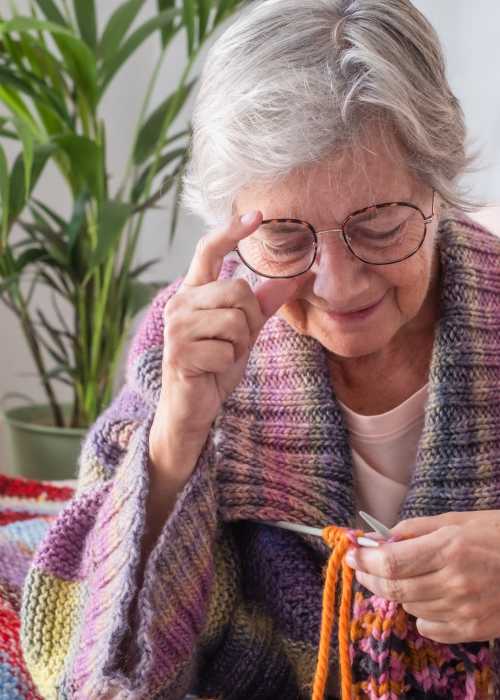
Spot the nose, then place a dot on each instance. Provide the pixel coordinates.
(339, 275)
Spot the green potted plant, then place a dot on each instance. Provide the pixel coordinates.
(55, 67)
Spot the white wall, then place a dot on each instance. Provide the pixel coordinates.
(470, 32)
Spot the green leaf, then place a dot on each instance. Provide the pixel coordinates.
(81, 65)
(85, 16)
(116, 61)
(6, 132)
(78, 58)
(141, 295)
(50, 10)
(28, 142)
(204, 7)
(18, 193)
(140, 269)
(117, 27)
(4, 195)
(189, 21)
(224, 9)
(85, 156)
(163, 161)
(16, 105)
(28, 257)
(147, 139)
(74, 226)
(58, 220)
(27, 24)
(113, 216)
(166, 32)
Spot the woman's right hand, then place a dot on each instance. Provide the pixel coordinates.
(211, 326)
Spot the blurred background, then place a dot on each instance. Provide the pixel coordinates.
(469, 33)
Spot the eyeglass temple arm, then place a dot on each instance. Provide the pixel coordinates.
(431, 217)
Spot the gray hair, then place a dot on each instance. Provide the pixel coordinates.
(290, 82)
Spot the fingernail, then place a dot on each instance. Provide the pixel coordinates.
(248, 217)
(351, 559)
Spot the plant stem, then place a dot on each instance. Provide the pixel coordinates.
(30, 335)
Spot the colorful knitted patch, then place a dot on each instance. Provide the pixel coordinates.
(27, 508)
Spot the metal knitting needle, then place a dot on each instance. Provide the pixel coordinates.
(317, 532)
(375, 524)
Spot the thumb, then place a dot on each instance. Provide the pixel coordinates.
(272, 294)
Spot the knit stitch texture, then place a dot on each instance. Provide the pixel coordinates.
(231, 608)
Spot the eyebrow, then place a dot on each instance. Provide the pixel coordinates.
(294, 213)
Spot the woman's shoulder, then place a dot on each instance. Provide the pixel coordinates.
(467, 242)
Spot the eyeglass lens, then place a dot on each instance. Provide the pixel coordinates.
(380, 235)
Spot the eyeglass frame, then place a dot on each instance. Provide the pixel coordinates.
(427, 220)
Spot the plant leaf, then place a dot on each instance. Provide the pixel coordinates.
(225, 7)
(78, 58)
(85, 16)
(137, 271)
(58, 220)
(26, 136)
(204, 7)
(50, 10)
(119, 57)
(189, 21)
(4, 196)
(117, 27)
(112, 217)
(28, 257)
(140, 294)
(74, 226)
(18, 194)
(147, 139)
(163, 161)
(87, 154)
(166, 32)
(18, 108)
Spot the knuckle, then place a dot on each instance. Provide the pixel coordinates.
(390, 565)
(202, 244)
(468, 612)
(227, 354)
(461, 584)
(394, 590)
(455, 542)
(242, 288)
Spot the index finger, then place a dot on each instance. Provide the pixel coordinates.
(207, 261)
(404, 559)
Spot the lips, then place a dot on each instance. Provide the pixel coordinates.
(361, 312)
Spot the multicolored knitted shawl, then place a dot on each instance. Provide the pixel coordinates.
(230, 607)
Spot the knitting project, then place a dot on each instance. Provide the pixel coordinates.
(230, 607)
(27, 508)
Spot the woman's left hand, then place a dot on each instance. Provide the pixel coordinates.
(447, 574)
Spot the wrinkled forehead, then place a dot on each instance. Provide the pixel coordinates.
(373, 172)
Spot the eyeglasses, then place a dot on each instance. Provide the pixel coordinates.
(383, 234)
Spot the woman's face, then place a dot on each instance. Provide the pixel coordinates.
(327, 306)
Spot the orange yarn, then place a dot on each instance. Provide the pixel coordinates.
(339, 539)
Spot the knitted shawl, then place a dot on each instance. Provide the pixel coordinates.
(230, 607)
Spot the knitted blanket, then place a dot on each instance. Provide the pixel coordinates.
(27, 508)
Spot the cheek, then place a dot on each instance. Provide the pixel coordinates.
(411, 281)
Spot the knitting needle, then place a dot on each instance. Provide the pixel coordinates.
(317, 532)
(375, 524)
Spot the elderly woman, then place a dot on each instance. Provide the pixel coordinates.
(333, 346)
